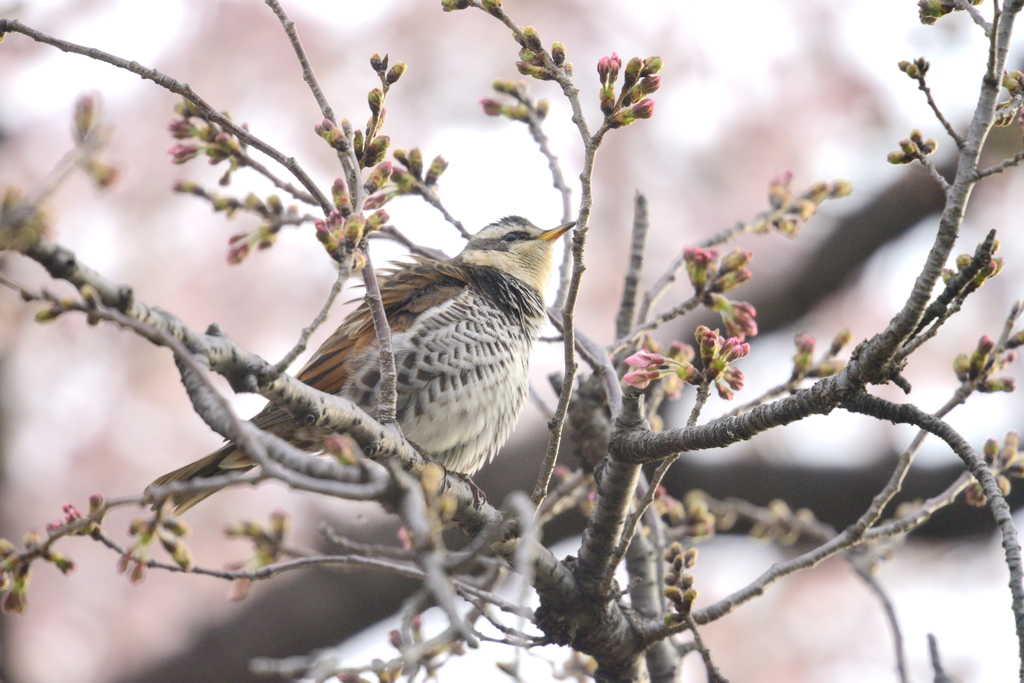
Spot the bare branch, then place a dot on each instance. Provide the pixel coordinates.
(307, 71)
(344, 271)
(627, 310)
(168, 83)
(388, 375)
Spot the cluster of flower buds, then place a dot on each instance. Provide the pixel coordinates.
(532, 60)
(804, 364)
(690, 516)
(717, 353)
(240, 245)
(639, 79)
(986, 272)
(72, 516)
(210, 140)
(1007, 111)
(986, 360)
(739, 317)
(523, 109)
(707, 274)
(272, 210)
(388, 76)
(1004, 461)
(913, 148)
(915, 69)
(410, 179)
(781, 524)
(429, 658)
(168, 530)
(340, 234)
(649, 366)
(679, 583)
(15, 573)
(789, 210)
(931, 11)
(15, 567)
(415, 630)
(267, 546)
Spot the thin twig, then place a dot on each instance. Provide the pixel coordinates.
(975, 13)
(431, 197)
(638, 242)
(864, 572)
(1001, 166)
(168, 83)
(714, 675)
(300, 53)
(344, 271)
(923, 86)
(388, 396)
(933, 171)
(390, 232)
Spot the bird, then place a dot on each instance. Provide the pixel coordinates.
(462, 331)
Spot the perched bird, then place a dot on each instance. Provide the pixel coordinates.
(462, 331)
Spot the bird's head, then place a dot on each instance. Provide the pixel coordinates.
(516, 246)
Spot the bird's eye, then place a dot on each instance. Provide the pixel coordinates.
(513, 236)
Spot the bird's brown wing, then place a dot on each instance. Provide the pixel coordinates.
(406, 292)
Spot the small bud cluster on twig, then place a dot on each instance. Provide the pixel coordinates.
(208, 138)
(408, 179)
(267, 542)
(914, 148)
(168, 530)
(804, 365)
(716, 355)
(271, 210)
(690, 517)
(639, 79)
(790, 210)
(16, 567)
(986, 360)
(1005, 462)
(679, 583)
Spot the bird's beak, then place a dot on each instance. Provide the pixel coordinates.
(555, 233)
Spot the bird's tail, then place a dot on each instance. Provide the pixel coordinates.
(222, 461)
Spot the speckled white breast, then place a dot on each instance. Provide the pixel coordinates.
(463, 379)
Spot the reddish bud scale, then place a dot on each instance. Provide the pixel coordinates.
(490, 107)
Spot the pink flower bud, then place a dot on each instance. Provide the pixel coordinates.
(645, 359)
(644, 109)
(491, 107)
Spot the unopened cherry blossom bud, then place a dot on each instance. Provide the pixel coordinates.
(437, 166)
(557, 53)
(396, 72)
